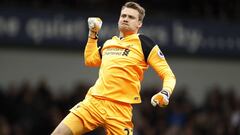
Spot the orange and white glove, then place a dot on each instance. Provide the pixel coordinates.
(161, 98)
(94, 25)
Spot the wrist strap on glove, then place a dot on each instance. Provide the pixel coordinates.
(165, 93)
(93, 35)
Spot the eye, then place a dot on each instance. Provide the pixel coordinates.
(123, 15)
(131, 17)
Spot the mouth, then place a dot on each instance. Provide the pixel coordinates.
(124, 24)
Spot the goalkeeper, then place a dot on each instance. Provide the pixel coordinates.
(122, 61)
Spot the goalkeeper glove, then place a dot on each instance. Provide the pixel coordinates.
(161, 98)
(94, 25)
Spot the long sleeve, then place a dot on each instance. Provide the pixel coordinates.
(157, 61)
(92, 55)
(155, 58)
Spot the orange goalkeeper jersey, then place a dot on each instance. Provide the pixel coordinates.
(122, 64)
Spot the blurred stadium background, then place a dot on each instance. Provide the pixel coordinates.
(42, 74)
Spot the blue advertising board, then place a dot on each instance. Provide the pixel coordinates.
(55, 29)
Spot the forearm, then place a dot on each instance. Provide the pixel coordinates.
(165, 73)
(167, 76)
(169, 82)
(91, 53)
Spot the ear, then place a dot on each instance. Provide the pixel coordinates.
(139, 24)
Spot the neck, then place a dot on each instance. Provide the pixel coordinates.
(121, 34)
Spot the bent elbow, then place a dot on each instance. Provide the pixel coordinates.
(91, 63)
(87, 63)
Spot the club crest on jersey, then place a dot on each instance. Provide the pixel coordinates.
(160, 54)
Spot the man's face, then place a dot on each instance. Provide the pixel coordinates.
(129, 21)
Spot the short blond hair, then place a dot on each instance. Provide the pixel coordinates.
(137, 7)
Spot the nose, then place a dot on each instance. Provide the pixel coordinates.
(125, 19)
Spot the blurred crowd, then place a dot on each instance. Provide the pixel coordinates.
(28, 110)
(202, 9)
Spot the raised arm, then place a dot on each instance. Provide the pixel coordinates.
(92, 52)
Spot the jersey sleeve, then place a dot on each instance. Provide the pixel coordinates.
(92, 53)
(155, 58)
